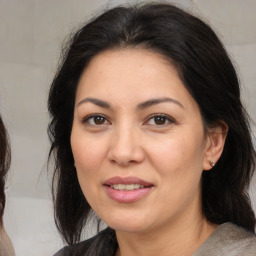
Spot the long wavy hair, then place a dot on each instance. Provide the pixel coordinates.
(207, 73)
(5, 159)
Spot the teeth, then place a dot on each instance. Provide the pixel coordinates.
(126, 186)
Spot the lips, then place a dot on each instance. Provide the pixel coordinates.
(126, 181)
(128, 189)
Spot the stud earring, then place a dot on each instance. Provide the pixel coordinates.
(212, 163)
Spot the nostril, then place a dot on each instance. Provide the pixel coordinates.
(125, 153)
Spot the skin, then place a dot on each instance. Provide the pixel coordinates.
(170, 151)
(5, 243)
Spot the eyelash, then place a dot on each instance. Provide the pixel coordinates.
(153, 116)
(167, 118)
(93, 116)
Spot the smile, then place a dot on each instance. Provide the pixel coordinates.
(128, 187)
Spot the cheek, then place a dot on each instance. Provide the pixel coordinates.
(87, 153)
(179, 166)
(178, 155)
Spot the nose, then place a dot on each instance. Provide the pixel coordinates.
(126, 148)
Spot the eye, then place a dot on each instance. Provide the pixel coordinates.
(160, 120)
(95, 120)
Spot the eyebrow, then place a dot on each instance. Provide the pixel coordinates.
(140, 106)
(152, 102)
(97, 102)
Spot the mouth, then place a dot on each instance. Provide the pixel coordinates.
(128, 189)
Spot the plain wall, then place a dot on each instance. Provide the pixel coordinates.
(31, 33)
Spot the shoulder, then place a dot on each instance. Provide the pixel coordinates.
(103, 241)
(229, 239)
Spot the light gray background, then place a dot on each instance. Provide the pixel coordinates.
(31, 33)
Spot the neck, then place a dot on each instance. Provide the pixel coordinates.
(182, 238)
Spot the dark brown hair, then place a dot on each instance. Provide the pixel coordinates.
(208, 74)
(5, 159)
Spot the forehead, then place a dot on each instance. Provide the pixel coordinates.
(132, 74)
(136, 61)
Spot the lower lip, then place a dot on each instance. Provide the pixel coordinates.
(127, 196)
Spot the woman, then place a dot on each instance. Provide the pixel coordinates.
(6, 247)
(148, 131)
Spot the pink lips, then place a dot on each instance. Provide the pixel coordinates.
(127, 196)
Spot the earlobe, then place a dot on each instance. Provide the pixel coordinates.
(212, 163)
(214, 145)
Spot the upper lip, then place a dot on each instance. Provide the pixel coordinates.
(126, 181)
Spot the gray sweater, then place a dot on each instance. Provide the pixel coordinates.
(227, 240)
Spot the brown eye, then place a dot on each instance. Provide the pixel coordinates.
(95, 120)
(159, 120)
(98, 120)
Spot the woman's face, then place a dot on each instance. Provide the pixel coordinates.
(138, 141)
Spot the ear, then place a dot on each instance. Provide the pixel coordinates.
(215, 141)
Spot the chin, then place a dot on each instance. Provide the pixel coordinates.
(128, 228)
(127, 217)
(129, 224)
